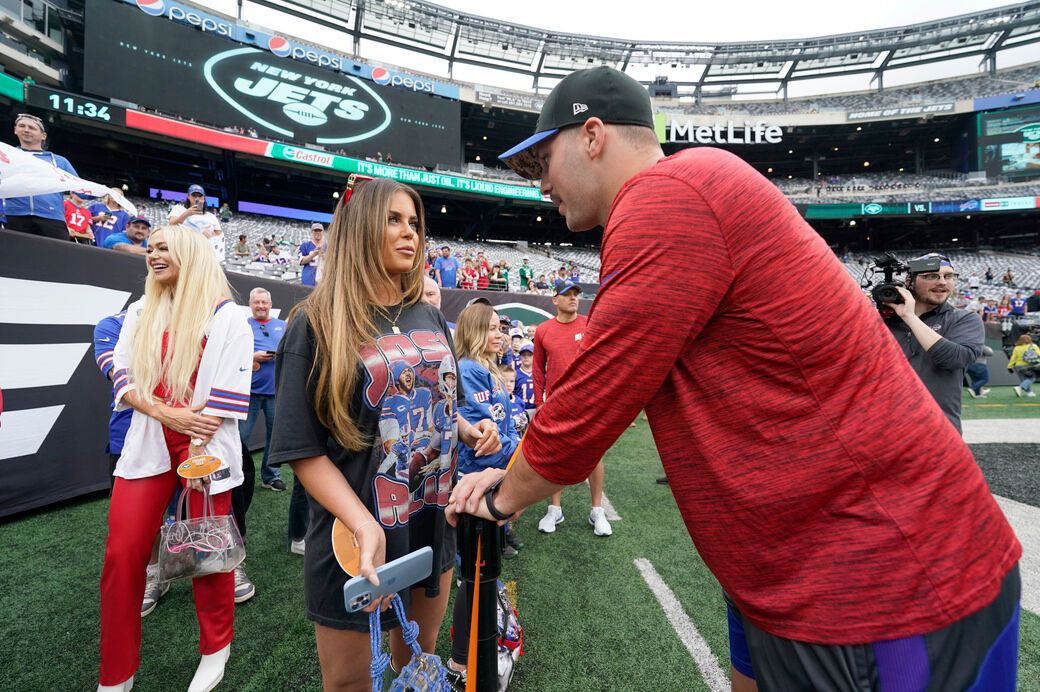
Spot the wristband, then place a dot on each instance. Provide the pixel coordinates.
(492, 510)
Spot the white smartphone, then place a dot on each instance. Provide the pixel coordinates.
(394, 576)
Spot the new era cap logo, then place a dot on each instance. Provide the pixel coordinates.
(580, 108)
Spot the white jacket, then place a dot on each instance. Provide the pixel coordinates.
(223, 382)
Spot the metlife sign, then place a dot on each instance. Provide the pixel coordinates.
(284, 47)
(180, 70)
(719, 132)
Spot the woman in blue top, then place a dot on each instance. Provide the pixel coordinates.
(477, 340)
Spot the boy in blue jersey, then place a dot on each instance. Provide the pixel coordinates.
(517, 410)
(524, 388)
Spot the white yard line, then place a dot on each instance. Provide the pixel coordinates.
(608, 509)
(1025, 520)
(707, 663)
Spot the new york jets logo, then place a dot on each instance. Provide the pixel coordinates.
(294, 100)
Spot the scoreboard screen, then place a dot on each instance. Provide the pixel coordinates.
(1009, 142)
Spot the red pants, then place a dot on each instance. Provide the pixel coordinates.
(134, 517)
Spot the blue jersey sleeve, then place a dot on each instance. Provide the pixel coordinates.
(106, 334)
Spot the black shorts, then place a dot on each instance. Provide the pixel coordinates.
(978, 652)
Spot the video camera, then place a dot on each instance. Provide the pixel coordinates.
(886, 290)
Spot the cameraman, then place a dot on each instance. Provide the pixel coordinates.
(939, 340)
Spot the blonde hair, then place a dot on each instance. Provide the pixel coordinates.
(1023, 340)
(471, 337)
(341, 308)
(183, 311)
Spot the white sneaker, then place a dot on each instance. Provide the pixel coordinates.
(972, 393)
(1031, 393)
(124, 686)
(598, 519)
(210, 671)
(1018, 390)
(985, 391)
(552, 517)
(297, 547)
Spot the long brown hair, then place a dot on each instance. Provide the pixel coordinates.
(342, 307)
(471, 337)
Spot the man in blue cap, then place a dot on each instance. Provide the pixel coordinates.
(133, 240)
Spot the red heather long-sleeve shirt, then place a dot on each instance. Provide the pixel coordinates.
(819, 480)
(555, 347)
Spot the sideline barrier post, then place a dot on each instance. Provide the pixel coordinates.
(482, 537)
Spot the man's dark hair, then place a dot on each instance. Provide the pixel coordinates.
(445, 247)
(242, 237)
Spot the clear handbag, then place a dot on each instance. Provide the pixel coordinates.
(190, 548)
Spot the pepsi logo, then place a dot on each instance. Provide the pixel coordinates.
(152, 7)
(380, 75)
(279, 46)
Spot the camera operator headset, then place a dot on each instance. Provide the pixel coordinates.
(939, 340)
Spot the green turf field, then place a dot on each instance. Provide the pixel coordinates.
(590, 621)
(1001, 403)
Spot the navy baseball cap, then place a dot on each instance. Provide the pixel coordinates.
(503, 319)
(529, 348)
(564, 285)
(141, 219)
(599, 92)
(196, 188)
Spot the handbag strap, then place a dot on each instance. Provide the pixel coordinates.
(409, 632)
(182, 504)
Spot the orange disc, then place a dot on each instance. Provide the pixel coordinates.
(256, 366)
(344, 549)
(198, 467)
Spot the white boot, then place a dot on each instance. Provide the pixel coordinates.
(124, 686)
(210, 671)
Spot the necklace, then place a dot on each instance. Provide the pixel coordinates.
(393, 322)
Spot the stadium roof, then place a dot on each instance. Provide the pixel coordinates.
(458, 37)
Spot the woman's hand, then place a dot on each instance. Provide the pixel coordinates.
(197, 484)
(187, 421)
(371, 542)
(481, 437)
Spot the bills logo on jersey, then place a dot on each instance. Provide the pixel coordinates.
(152, 7)
(279, 46)
(380, 75)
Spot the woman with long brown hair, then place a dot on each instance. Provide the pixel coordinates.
(183, 362)
(365, 415)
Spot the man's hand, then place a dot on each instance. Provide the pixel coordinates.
(906, 308)
(262, 356)
(467, 497)
(481, 437)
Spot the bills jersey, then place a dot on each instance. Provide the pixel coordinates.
(524, 388)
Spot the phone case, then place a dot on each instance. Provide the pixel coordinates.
(394, 576)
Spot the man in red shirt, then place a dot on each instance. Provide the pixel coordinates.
(841, 511)
(556, 344)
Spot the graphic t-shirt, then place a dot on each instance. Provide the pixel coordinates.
(405, 402)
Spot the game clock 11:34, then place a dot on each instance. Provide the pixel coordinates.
(74, 104)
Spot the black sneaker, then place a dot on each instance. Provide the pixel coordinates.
(277, 485)
(509, 552)
(513, 541)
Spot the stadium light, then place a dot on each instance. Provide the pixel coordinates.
(954, 240)
(538, 219)
(859, 128)
(936, 140)
(866, 164)
(852, 222)
(477, 157)
(444, 209)
(335, 194)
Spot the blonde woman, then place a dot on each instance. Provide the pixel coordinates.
(183, 363)
(365, 416)
(1025, 362)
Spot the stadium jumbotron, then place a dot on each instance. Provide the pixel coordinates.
(912, 131)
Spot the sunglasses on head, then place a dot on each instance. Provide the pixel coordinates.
(353, 180)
